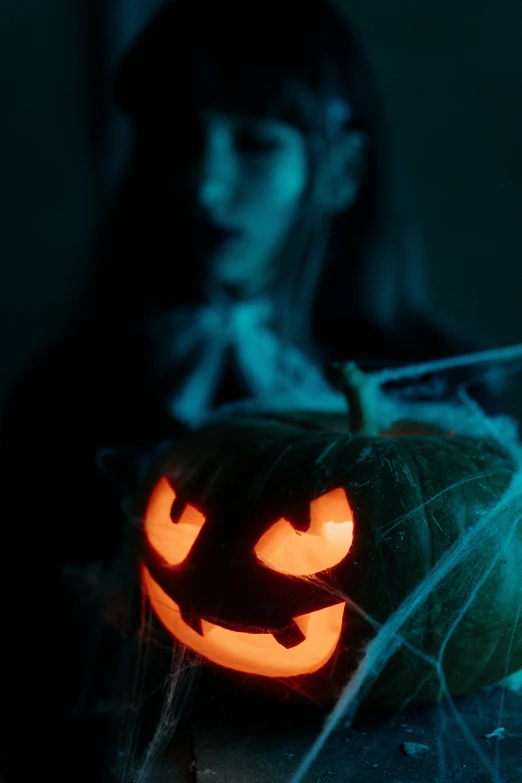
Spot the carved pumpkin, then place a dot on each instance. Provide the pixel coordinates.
(256, 529)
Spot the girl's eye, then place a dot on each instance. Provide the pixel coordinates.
(257, 142)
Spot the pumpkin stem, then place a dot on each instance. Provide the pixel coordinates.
(362, 413)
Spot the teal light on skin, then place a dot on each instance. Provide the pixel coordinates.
(250, 174)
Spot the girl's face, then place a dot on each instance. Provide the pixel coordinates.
(246, 175)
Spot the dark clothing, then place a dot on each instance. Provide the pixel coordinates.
(60, 510)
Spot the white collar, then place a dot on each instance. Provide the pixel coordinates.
(188, 347)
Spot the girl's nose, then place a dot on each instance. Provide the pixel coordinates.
(213, 191)
(214, 174)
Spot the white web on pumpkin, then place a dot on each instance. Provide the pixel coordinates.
(388, 637)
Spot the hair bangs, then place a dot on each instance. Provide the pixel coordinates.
(190, 59)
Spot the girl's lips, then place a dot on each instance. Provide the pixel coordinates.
(218, 233)
(212, 236)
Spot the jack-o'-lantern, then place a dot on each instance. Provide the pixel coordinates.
(256, 529)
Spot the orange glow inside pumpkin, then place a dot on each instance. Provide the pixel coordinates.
(325, 544)
(252, 653)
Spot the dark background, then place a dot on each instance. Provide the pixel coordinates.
(451, 73)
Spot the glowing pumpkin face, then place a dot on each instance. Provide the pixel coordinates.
(172, 528)
(263, 537)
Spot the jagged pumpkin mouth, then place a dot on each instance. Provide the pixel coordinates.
(252, 653)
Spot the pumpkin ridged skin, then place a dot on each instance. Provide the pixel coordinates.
(247, 472)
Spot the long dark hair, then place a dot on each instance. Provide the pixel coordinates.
(284, 59)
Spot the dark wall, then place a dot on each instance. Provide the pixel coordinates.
(46, 206)
(452, 78)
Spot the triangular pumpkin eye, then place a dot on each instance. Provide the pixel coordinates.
(171, 540)
(325, 544)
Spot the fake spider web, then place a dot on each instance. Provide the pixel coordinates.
(144, 762)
